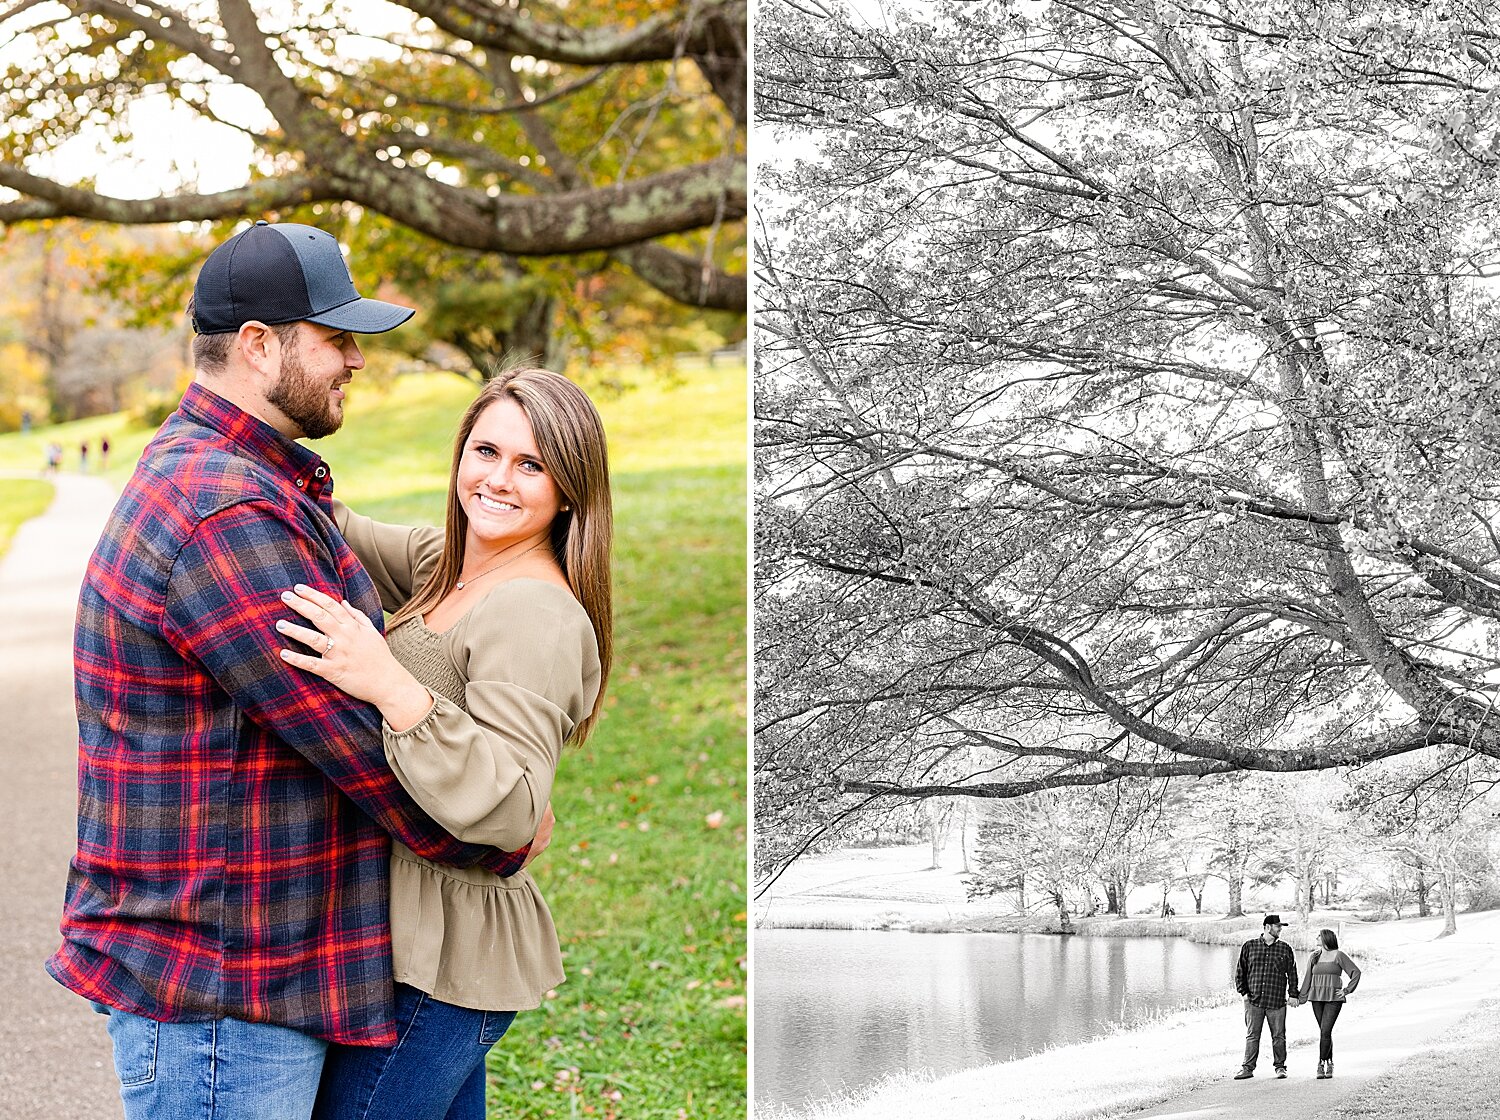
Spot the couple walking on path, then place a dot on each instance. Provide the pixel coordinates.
(250, 743)
(1266, 976)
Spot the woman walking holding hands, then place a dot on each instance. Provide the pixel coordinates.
(1325, 986)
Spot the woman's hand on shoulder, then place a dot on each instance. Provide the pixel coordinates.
(350, 653)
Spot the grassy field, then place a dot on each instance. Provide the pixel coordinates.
(21, 499)
(646, 875)
(1458, 1078)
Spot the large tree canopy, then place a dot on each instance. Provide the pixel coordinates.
(1129, 395)
(517, 128)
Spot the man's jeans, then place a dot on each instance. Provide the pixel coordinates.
(435, 1071)
(1255, 1015)
(224, 1069)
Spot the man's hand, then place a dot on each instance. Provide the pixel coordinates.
(1293, 1001)
(543, 836)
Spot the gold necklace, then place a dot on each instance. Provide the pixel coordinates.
(509, 559)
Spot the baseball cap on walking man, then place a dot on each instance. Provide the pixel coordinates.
(284, 273)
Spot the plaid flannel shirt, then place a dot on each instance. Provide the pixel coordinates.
(233, 811)
(1266, 975)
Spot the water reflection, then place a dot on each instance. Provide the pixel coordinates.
(838, 1009)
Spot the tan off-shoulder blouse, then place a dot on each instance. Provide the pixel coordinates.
(512, 678)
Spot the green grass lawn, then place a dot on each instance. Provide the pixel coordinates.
(21, 499)
(27, 451)
(646, 874)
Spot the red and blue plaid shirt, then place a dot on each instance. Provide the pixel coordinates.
(233, 812)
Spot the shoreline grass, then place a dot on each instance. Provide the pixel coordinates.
(1207, 929)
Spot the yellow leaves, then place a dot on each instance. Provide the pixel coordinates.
(22, 385)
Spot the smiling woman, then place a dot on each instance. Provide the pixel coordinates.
(508, 496)
(481, 682)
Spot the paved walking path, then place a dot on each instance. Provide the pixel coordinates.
(54, 1054)
(1374, 1033)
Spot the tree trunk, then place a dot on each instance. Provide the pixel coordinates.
(1236, 891)
(1448, 888)
(1424, 910)
(1122, 892)
(963, 833)
(1111, 899)
(1304, 894)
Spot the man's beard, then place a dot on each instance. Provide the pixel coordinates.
(302, 399)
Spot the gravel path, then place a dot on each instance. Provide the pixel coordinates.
(54, 1053)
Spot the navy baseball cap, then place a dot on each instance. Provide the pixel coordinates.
(281, 274)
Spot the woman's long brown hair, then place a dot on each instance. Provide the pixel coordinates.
(570, 440)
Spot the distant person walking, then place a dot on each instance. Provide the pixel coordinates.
(54, 457)
(83, 456)
(104, 453)
(1325, 987)
(1266, 975)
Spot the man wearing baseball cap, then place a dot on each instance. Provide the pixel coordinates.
(1266, 975)
(227, 905)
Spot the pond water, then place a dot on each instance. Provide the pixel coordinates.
(841, 1009)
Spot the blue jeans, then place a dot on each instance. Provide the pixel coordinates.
(224, 1069)
(434, 1072)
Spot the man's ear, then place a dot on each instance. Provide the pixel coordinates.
(259, 347)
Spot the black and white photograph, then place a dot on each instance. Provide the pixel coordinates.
(1126, 696)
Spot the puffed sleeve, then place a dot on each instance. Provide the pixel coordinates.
(528, 654)
(398, 557)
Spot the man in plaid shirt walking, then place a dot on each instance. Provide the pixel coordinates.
(1266, 975)
(228, 903)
